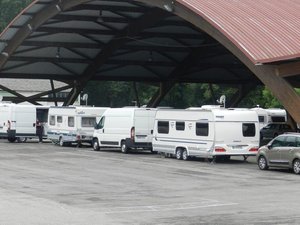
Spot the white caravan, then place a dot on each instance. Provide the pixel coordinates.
(126, 128)
(18, 122)
(207, 133)
(276, 115)
(272, 115)
(73, 124)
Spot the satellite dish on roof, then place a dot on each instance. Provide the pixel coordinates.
(85, 98)
(222, 100)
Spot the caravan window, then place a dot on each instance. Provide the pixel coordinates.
(202, 129)
(278, 119)
(71, 121)
(248, 129)
(52, 120)
(180, 126)
(88, 121)
(261, 119)
(59, 119)
(163, 127)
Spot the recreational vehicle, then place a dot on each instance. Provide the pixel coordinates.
(18, 122)
(126, 128)
(207, 133)
(73, 124)
(272, 115)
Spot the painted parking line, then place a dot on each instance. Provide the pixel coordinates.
(169, 207)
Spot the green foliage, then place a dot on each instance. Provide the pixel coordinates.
(9, 9)
(117, 94)
(196, 95)
(270, 101)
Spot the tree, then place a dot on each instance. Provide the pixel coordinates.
(9, 9)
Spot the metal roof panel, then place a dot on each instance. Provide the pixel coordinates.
(265, 30)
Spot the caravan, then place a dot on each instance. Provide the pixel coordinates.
(272, 115)
(73, 124)
(18, 122)
(207, 133)
(126, 128)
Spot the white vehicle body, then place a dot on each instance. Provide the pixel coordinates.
(19, 121)
(126, 128)
(73, 124)
(266, 116)
(276, 115)
(206, 133)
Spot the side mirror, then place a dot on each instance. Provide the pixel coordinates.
(269, 146)
(96, 127)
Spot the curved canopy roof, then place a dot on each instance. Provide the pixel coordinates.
(79, 40)
(265, 30)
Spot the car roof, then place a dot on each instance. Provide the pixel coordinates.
(290, 134)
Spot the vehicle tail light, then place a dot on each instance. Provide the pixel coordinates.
(132, 133)
(220, 149)
(255, 149)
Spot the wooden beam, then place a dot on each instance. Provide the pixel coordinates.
(288, 69)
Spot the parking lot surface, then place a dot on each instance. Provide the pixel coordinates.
(44, 184)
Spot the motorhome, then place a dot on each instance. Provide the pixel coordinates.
(18, 122)
(126, 128)
(73, 124)
(208, 133)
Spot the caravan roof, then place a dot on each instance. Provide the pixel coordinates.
(208, 114)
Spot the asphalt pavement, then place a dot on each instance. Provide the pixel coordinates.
(44, 184)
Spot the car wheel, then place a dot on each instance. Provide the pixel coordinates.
(124, 148)
(96, 146)
(262, 163)
(185, 155)
(296, 166)
(179, 154)
(11, 139)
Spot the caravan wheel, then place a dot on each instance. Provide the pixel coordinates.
(185, 155)
(179, 154)
(96, 146)
(61, 142)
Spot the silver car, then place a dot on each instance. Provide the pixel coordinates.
(283, 151)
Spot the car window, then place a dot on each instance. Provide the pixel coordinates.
(267, 126)
(271, 126)
(290, 141)
(278, 142)
(297, 141)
